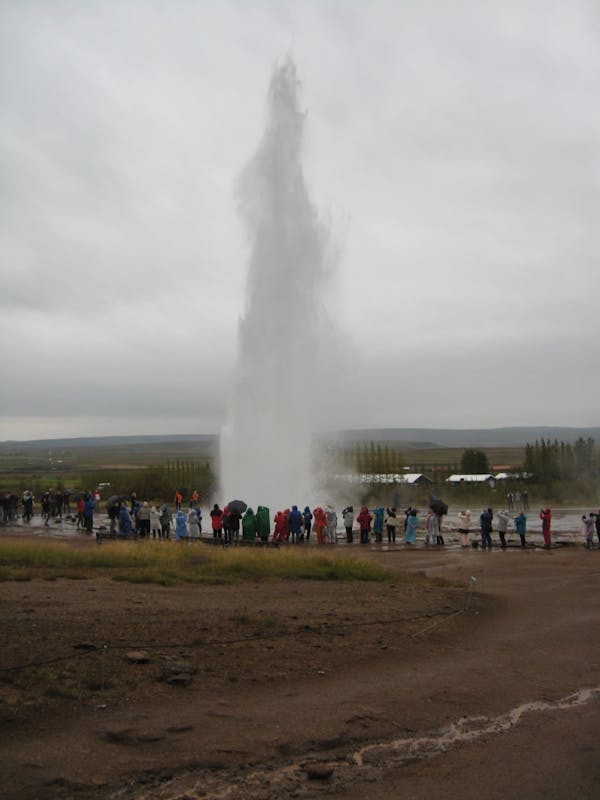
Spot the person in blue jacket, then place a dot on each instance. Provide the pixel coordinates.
(295, 524)
(485, 521)
(378, 515)
(181, 530)
(124, 521)
(88, 512)
(307, 517)
(521, 527)
(412, 523)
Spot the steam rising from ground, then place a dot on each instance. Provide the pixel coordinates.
(266, 450)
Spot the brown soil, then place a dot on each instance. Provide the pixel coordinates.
(307, 689)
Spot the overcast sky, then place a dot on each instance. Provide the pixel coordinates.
(452, 146)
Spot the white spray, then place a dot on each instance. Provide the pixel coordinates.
(266, 449)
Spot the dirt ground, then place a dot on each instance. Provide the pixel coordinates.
(487, 685)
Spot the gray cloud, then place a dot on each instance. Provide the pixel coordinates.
(456, 148)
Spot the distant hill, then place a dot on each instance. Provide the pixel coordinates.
(108, 441)
(413, 438)
(423, 438)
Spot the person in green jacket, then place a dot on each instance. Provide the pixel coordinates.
(249, 527)
(263, 523)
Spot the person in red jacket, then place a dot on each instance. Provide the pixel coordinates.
(364, 520)
(280, 527)
(216, 518)
(546, 517)
(320, 520)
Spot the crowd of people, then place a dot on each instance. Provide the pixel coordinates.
(131, 517)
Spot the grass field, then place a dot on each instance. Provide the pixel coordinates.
(175, 563)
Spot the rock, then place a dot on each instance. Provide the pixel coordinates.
(137, 657)
(318, 772)
(180, 679)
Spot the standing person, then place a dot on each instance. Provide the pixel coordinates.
(193, 524)
(390, 524)
(546, 517)
(27, 505)
(331, 517)
(143, 517)
(233, 522)
(226, 528)
(378, 515)
(307, 517)
(597, 522)
(249, 526)
(88, 512)
(216, 521)
(181, 530)
(194, 498)
(464, 521)
(348, 516)
(165, 522)
(364, 520)
(295, 524)
(412, 523)
(432, 528)
(279, 529)
(178, 500)
(125, 523)
(263, 523)
(525, 499)
(96, 499)
(503, 517)
(587, 528)
(80, 505)
(155, 522)
(113, 515)
(485, 520)
(320, 524)
(521, 527)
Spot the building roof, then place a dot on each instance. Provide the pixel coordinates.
(474, 478)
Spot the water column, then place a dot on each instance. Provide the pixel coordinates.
(266, 448)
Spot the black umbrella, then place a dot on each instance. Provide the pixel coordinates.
(438, 506)
(115, 499)
(79, 496)
(237, 506)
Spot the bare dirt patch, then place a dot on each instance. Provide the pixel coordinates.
(270, 689)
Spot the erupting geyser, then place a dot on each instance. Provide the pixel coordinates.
(267, 447)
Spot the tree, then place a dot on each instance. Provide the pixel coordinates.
(474, 462)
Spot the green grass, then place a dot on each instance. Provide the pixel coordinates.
(174, 563)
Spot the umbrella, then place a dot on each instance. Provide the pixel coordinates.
(237, 506)
(115, 499)
(438, 506)
(79, 496)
